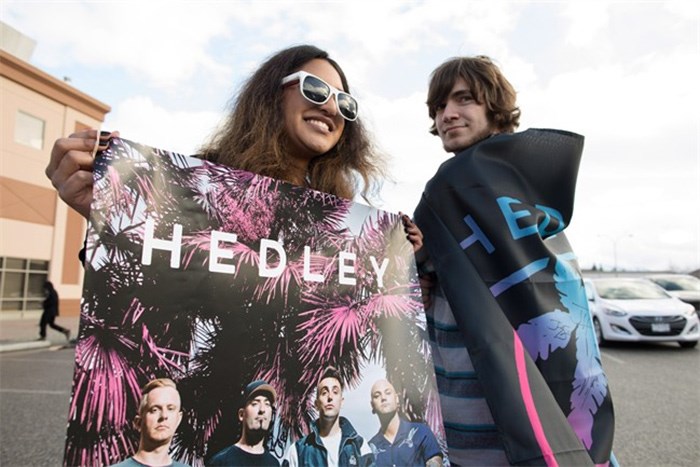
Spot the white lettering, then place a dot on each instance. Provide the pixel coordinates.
(308, 275)
(263, 269)
(216, 253)
(222, 254)
(150, 243)
(344, 268)
(379, 270)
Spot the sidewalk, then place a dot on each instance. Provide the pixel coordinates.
(22, 334)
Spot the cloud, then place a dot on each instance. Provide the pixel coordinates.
(401, 128)
(617, 100)
(164, 43)
(640, 166)
(588, 19)
(623, 74)
(139, 119)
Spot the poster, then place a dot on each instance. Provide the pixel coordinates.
(215, 277)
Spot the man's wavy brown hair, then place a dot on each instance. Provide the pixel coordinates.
(488, 87)
(254, 137)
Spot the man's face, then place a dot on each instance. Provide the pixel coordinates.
(256, 415)
(460, 121)
(161, 416)
(384, 398)
(329, 399)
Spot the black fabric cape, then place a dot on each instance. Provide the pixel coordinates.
(492, 218)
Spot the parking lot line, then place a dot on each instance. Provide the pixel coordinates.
(614, 359)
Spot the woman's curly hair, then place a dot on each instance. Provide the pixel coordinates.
(254, 137)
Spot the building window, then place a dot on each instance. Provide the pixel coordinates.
(22, 283)
(29, 130)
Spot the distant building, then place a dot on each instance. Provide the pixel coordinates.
(40, 236)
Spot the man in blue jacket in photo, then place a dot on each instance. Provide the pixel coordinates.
(333, 440)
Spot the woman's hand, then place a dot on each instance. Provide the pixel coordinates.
(70, 167)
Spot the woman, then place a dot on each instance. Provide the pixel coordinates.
(293, 120)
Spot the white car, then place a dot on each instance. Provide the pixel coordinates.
(636, 310)
(685, 287)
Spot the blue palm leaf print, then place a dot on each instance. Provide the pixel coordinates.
(554, 330)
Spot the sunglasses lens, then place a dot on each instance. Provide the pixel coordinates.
(319, 92)
(347, 105)
(315, 90)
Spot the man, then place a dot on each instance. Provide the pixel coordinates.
(255, 416)
(518, 370)
(159, 416)
(48, 317)
(398, 441)
(333, 441)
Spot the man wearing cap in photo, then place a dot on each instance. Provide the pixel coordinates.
(333, 440)
(255, 416)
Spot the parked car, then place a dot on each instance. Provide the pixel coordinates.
(635, 310)
(682, 286)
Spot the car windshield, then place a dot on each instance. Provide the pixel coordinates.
(629, 290)
(674, 284)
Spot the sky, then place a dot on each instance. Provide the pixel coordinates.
(624, 74)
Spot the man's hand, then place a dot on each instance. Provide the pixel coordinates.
(413, 233)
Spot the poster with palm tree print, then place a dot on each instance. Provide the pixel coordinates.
(215, 277)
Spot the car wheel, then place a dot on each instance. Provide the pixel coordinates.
(599, 333)
(688, 344)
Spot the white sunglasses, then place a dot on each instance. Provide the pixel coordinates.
(317, 91)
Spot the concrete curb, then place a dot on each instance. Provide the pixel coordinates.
(28, 345)
(21, 334)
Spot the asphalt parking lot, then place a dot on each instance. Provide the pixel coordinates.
(654, 389)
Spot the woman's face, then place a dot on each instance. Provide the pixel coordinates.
(312, 129)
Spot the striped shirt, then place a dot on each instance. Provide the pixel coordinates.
(472, 437)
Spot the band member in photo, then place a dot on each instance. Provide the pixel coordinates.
(255, 415)
(333, 441)
(400, 442)
(160, 413)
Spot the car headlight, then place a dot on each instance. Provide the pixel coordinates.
(614, 311)
(689, 310)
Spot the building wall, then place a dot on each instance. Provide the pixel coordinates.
(35, 225)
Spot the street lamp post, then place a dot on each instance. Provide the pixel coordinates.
(614, 241)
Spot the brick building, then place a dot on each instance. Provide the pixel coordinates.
(40, 236)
